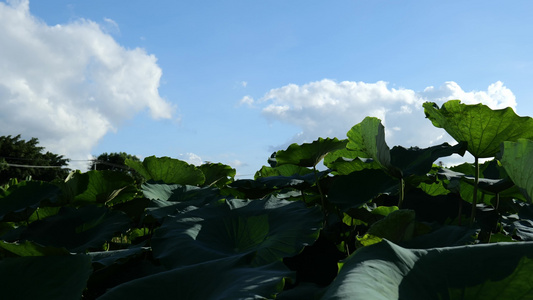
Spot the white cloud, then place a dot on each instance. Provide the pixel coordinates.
(237, 163)
(497, 95)
(247, 100)
(329, 109)
(191, 158)
(69, 84)
(111, 26)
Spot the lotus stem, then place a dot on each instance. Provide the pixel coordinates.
(402, 193)
(476, 182)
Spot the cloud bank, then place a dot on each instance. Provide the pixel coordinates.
(329, 109)
(68, 85)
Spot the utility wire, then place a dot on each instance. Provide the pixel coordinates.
(30, 166)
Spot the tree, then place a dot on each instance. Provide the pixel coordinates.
(22, 159)
(115, 161)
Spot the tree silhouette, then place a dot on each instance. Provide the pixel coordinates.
(22, 160)
(115, 161)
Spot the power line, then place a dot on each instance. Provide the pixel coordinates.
(31, 166)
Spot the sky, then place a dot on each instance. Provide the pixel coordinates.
(233, 81)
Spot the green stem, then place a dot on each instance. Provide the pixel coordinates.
(460, 215)
(402, 193)
(322, 200)
(303, 196)
(476, 182)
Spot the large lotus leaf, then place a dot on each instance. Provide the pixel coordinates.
(396, 227)
(358, 188)
(226, 278)
(518, 285)
(345, 166)
(487, 188)
(217, 174)
(280, 182)
(388, 271)
(434, 209)
(169, 170)
(77, 229)
(107, 258)
(416, 161)
(488, 169)
(518, 220)
(270, 228)
(443, 236)
(304, 290)
(283, 170)
(517, 159)
(434, 189)
(522, 228)
(344, 153)
(161, 191)
(109, 187)
(294, 181)
(134, 209)
(309, 154)
(368, 140)
(44, 277)
(19, 201)
(177, 192)
(493, 178)
(43, 212)
(263, 186)
(75, 184)
(254, 189)
(482, 128)
(27, 248)
(171, 199)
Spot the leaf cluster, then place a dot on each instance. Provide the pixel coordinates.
(371, 222)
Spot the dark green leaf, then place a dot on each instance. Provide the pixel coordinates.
(227, 278)
(270, 228)
(77, 229)
(309, 154)
(217, 174)
(443, 236)
(396, 227)
(358, 188)
(345, 166)
(169, 170)
(416, 161)
(367, 139)
(518, 285)
(171, 199)
(388, 271)
(109, 187)
(107, 258)
(517, 159)
(482, 128)
(27, 248)
(44, 277)
(21, 200)
(283, 170)
(177, 192)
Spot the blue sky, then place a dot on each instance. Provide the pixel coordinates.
(233, 81)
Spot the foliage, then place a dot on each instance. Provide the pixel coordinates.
(115, 161)
(480, 128)
(376, 223)
(17, 154)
